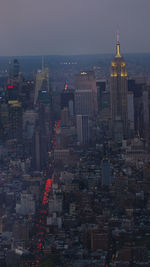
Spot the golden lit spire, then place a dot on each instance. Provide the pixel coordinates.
(118, 46)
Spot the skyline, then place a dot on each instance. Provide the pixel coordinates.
(73, 27)
(74, 134)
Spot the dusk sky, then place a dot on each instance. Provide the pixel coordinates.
(38, 27)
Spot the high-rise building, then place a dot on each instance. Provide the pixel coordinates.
(67, 100)
(4, 121)
(131, 112)
(43, 131)
(36, 159)
(15, 120)
(27, 94)
(140, 90)
(65, 118)
(106, 172)
(82, 123)
(105, 106)
(101, 87)
(85, 94)
(16, 68)
(42, 83)
(118, 94)
(12, 92)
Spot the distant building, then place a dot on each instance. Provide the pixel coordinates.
(118, 93)
(131, 111)
(56, 105)
(61, 154)
(16, 68)
(106, 172)
(36, 159)
(136, 151)
(65, 118)
(15, 120)
(4, 121)
(42, 83)
(82, 123)
(85, 94)
(21, 231)
(12, 92)
(26, 205)
(43, 131)
(105, 106)
(141, 95)
(101, 87)
(67, 100)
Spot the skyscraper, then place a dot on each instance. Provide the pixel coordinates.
(118, 95)
(101, 87)
(42, 82)
(82, 129)
(130, 98)
(15, 120)
(85, 94)
(67, 100)
(16, 68)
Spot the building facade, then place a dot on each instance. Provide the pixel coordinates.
(86, 94)
(82, 129)
(118, 95)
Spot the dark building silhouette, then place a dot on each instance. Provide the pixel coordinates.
(67, 100)
(15, 120)
(101, 87)
(16, 68)
(82, 123)
(43, 132)
(141, 105)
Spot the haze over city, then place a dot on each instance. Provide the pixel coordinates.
(35, 27)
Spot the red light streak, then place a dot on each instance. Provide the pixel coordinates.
(10, 86)
(44, 211)
(47, 190)
(66, 86)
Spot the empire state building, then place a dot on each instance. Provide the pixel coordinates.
(118, 95)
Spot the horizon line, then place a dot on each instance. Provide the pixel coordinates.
(71, 55)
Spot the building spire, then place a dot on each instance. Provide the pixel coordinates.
(42, 62)
(117, 36)
(118, 46)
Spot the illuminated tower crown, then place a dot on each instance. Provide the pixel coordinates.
(118, 65)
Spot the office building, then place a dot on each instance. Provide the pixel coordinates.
(131, 112)
(67, 100)
(118, 94)
(16, 68)
(140, 90)
(42, 83)
(101, 87)
(86, 94)
(4, 121)
(15, 120)
(82, 123)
